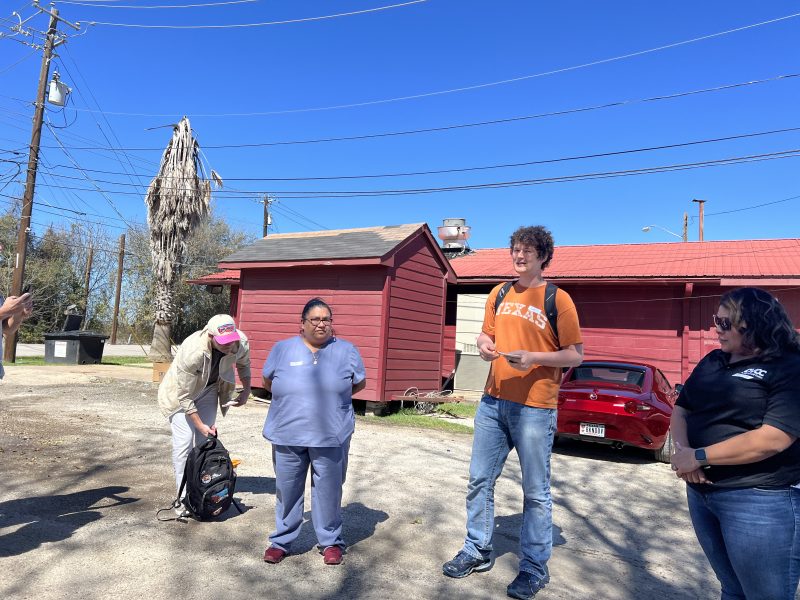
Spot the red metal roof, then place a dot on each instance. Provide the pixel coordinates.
(736, 260)
(226, 277)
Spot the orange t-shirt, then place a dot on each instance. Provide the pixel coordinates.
(521, 324)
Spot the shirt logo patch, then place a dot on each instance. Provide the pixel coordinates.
(751, 374)
(296, 363)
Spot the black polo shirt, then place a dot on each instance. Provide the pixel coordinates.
(724, 399)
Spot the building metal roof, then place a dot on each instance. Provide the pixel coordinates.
(226, 277)
(743, 262)
(369, 242)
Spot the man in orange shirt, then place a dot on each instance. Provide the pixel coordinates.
(518, 410)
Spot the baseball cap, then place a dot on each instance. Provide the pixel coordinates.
(223, 329)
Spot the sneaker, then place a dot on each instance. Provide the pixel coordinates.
(182, 513)
(274, 555)
(332, 555)
(526, 585)
(463, 564)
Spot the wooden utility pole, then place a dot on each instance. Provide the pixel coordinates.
(10, 349)
(267, 216)
(87, 278)
(700, 219)
(685, 231)
(120, 261)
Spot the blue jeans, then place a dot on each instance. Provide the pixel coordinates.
(751, 537)
(501, 425)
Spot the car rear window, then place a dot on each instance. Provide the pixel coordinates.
(608, 374)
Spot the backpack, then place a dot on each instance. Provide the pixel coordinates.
(550, 308)
(209, 480)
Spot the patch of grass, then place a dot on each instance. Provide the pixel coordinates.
(127, 360)
(459, 409)
(409, 417)
(107, 360)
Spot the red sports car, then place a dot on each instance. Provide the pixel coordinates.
(617, 403)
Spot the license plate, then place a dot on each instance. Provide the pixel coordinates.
(593, 430)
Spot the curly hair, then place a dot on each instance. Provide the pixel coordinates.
(313, 303)
(762, 321)
(537, 237)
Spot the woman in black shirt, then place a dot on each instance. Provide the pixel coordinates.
(736, 426)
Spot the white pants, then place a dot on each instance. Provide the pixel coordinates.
(185, 436)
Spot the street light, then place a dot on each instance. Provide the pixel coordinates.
(647, 228)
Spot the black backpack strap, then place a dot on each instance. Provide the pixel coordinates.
(550, 308)
(502, 294)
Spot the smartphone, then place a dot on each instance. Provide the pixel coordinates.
(26, 289)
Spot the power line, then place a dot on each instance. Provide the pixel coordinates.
(511, 80)
(21, 60)
(736, 210)
(264, 24)
(98, 5)
(349, 138)
(791, 153)
(496, 166)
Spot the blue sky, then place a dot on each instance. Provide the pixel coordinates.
(128, 80)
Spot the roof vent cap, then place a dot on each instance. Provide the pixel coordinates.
(454, 233)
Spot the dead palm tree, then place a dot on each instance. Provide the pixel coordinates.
(177, 201)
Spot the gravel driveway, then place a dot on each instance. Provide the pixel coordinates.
(86, 464)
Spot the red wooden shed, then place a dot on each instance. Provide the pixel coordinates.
(386, 286)
(651, 302)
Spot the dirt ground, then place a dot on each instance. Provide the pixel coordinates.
(86, 464)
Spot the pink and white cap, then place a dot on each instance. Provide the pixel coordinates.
(223, 329)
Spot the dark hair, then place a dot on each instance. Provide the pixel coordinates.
(313, 303)
(762, 321)
(537, 237)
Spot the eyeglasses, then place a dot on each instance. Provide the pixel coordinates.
(723, 323)
(315, 321)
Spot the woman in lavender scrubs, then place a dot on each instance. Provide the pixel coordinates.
(312, 378)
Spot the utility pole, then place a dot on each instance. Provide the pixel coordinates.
(120, 261)
(700, 219)
(10, 350)
(267, 216)
(87, 277)
(685, 231)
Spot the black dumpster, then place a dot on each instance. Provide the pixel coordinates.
(74, 347)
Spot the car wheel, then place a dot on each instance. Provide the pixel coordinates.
(664, 453)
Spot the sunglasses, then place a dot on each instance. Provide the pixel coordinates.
(723, 323)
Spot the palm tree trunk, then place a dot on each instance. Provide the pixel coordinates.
(161, 346)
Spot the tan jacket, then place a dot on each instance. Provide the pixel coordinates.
(188, 374)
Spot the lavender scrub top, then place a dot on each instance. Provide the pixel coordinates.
(312, 393)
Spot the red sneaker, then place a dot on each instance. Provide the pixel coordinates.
(332, 555)
(274, 555)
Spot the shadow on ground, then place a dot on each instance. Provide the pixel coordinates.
(54, 518)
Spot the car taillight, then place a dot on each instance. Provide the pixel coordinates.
(632, 407)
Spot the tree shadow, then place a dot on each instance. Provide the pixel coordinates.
(605, 452)
(507, 531)
(53, 518)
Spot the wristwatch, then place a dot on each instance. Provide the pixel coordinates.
(700, 456)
